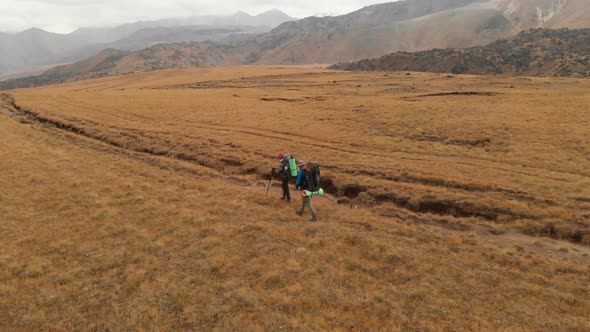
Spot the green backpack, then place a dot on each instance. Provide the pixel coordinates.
(293, 167)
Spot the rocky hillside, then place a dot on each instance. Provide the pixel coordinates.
(413, 25)
(538, 52)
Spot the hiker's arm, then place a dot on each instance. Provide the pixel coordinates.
(281, 167)
(299, 179)
(284, 166)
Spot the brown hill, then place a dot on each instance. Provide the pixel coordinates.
(412, 25)
(538, 52)
(380, 29)
(113, 62)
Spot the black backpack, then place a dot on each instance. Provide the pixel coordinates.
(313, 176)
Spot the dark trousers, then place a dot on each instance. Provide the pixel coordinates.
(286, 193)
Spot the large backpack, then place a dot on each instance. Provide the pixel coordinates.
(313, 176)
(289, 162)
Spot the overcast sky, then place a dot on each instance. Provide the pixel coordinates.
(64, 16)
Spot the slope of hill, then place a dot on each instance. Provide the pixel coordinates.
(575, 14)
(538, 52)
(321, 41)
(112, 62)
(30, 48)
(160, 35)
(88, 68)
(374, 30)
(412, 25)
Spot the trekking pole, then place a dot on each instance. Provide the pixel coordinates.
(269, 183)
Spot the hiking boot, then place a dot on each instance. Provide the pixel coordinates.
(299, 213)
(314, 219)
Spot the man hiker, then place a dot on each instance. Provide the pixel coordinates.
(284, 172)
(304, 185)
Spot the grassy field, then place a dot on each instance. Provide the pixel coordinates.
(137, 202)
(508, 151)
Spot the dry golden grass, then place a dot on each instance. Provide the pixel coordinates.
(145, 219)
(513, 155)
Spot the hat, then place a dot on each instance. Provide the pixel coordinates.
(280, 154)
(301, 163)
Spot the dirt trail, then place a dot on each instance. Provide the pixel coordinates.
(510, 241)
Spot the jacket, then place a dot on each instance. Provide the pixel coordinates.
(301, 182)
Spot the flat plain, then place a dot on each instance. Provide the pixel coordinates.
(456, 202)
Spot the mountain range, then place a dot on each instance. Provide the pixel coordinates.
(410, 25)
(35, 47)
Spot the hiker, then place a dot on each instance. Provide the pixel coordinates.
(303, 184)
(284, 172)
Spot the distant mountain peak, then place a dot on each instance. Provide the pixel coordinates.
(274, 12)
(34, 30)
(240, 13)
(39, 33)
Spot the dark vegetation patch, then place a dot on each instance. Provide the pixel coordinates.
(460, 93)
(478, 142)
(576, 232)
(109, 62)
(363, 199)
(290, 100)
(444, 183)
(232, 161)
(582, 199)
(351, 190)
(445, 206)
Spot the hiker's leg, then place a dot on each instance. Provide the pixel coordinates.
(286, 185)
(286, 188)
(305, 199)
(300, 212)
(314, 216)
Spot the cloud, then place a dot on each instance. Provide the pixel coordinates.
(64, 15)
